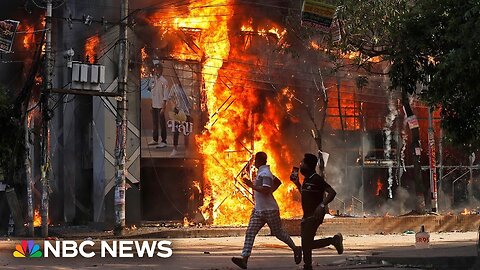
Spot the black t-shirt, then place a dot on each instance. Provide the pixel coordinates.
(313, 191)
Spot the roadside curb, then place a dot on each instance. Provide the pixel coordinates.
(436, 258)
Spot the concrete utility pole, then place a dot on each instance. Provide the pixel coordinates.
(441, 199)
(471, 159)
(45, 161)
(121, 122)
(29, 178)
(432, 162)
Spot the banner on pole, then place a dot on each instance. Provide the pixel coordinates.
(412, 122)
(433, 167)
(318, 14)
(8, 28)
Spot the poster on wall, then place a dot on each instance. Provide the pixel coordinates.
(170, 110)
(8, 28)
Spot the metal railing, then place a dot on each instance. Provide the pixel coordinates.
(358, 201)
(450, 172)
(453, 185)
(341, 203)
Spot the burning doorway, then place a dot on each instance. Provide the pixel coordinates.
(169, 172)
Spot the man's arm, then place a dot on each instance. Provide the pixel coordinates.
(331, 193)
(164, 105)
(166, 95)
(265, 189)
(320, 211)
(151, 83)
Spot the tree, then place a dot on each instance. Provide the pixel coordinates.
(448, 45)
(372, 28)
(429, 42)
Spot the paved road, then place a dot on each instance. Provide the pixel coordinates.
(269, 253)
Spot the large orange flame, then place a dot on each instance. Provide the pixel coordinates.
(91, 48)
(29, 35)
(143, 69)
(244, 118)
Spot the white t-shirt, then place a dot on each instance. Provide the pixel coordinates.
(160, 93)
(264, 179)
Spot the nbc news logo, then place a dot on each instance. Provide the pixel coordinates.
(28, 249)
(114, 249)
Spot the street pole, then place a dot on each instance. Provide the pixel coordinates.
(440, 170)
(432, 167)
(471, 158)
(29, 178)
(399, 147)
(45, 162)
(121, 123)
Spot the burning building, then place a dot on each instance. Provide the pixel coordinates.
(241, 79)
(257, 96)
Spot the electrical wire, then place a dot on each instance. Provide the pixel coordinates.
(30, 32)
(241, 80)
(57, 102)
(53, 6)
(178, 5)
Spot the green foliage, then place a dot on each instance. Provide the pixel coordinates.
(368, 25)
(431, 42)
(446, 59)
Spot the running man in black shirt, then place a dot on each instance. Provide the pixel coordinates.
(314, 204)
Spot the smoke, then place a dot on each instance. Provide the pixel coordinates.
(262, 13)
(267, 67)
(389, 119)
(347, 182)
(404, 146)
(399, 206)
(15, 9)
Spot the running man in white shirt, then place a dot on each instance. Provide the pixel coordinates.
(265, 211)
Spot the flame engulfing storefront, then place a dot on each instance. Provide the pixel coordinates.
(243, 110)
(261, 90)
(243, 78)
(260, 83)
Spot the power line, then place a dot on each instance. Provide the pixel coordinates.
(241, 78)
(30, 32)
(182, 4)
(178, 5)
(45, 7)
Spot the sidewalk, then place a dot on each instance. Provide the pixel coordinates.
(361, 252)
(345, 225)
(447, 256)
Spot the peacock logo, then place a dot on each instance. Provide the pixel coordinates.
(28, 249)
